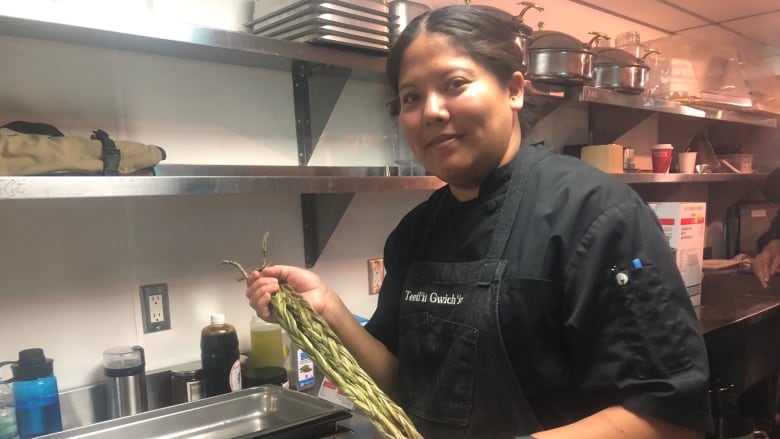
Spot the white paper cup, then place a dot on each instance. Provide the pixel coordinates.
(662, 157)
(687, 162)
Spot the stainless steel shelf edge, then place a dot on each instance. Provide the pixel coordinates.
(640, 178)
(20, 188)
(609, 97)
(188, 41)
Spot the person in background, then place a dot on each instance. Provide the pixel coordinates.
(767, 262)
(533, 295)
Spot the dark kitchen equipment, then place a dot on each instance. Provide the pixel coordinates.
(558, 58)
(124, 368)
(616, 69)
(523, 31)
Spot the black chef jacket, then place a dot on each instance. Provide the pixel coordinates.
(579, 341)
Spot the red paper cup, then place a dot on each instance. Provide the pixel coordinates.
(662, 157)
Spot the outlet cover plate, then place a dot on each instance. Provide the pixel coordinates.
(155, 311)
(376, 274)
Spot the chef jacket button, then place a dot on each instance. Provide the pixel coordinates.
(490, 207)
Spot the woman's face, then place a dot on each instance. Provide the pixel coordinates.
(460, 122)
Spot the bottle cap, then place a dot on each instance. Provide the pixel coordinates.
(32, 364)
(217, 319)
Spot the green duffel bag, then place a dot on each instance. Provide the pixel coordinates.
(40, 149)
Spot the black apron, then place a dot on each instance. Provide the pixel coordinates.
(457, 380)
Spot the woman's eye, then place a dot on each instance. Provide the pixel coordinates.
(409, 98)
(456, 83)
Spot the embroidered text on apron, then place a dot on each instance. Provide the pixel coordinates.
(456, 377)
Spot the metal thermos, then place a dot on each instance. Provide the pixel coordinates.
(124, 367)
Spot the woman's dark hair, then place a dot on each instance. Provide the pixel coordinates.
(485, 33)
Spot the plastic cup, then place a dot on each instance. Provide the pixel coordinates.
(662, 157)
(687, 162)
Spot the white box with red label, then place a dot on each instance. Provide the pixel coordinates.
(684, 225)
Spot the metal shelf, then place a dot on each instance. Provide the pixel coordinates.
(608, 97)
(173, 180)
(181, 40)
(648, 177)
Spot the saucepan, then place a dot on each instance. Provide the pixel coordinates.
(523, 31)
(558, 58)
(618, 70)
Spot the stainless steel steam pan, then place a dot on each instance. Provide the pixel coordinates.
(271, 7)
(291, 20)
(325, 28)
(259, 412)
(321, 8)
(336, 40)
(324, 19)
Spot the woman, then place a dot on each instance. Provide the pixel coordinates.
(532, 294)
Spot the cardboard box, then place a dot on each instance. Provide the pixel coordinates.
(684, 226)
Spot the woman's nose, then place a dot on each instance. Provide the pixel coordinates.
(435, 109)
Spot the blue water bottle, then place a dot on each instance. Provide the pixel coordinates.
(35, 393)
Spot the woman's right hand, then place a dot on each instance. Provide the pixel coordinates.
(262, 286)
(767, 262)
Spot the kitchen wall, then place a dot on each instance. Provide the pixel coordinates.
(70, 269)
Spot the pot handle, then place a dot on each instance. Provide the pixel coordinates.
(648, 52)
(596, 36)
(527, 6)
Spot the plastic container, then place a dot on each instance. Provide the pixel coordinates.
(35, 394)
(220, 357)
(8, 412)
(300, 368)
(267, 346)
(742, 162)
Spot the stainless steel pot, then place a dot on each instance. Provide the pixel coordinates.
(625, 75)
(522, 35)
(560, 66)
(625, 79)
(560, 59)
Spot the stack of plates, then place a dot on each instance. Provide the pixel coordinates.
(363, 24)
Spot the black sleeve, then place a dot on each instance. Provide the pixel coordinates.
(633, 329)
(771, 234)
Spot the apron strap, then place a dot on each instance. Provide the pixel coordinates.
(526, 160)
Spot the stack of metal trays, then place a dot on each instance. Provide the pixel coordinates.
(362, 24)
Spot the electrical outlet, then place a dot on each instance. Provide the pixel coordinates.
(376, 274)
(155, 312)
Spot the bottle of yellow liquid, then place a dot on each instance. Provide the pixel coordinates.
(267, 347)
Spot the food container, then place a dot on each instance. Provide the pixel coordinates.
(608, 158)
(742, 162)
(187, 382)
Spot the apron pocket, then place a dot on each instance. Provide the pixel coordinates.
(437, 364)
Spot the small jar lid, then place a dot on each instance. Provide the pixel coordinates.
(264, 375)
(193, 369)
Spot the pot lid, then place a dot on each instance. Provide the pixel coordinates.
(547, 39)
(620, 57)
(611, 55)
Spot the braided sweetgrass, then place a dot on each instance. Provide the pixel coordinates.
(312, 334)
